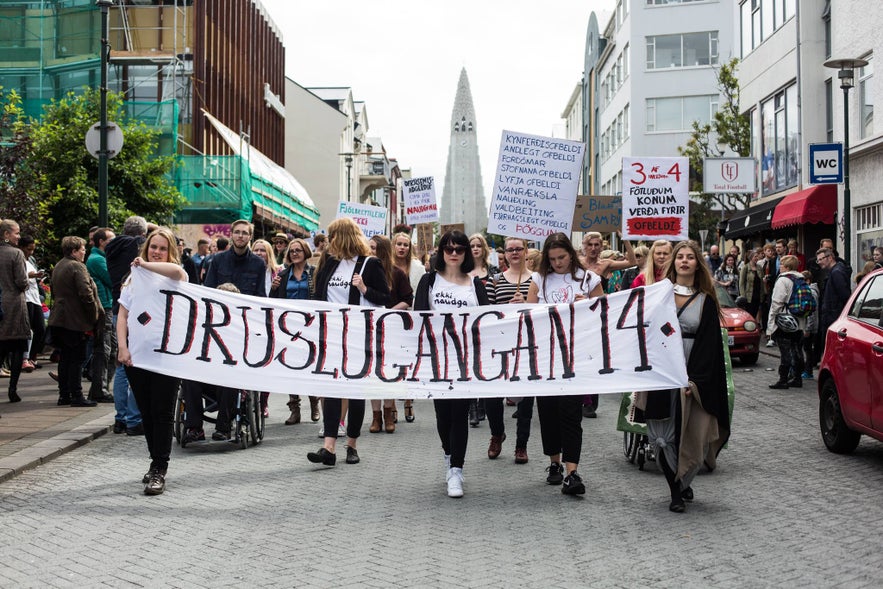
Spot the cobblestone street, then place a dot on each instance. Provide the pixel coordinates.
(780, 510)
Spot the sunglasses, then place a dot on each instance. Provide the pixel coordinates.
(455, 249)
(292, 252)
(514, 250)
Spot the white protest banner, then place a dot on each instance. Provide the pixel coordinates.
(535, 187)
(624, 342)
(419, 197)
(371, 219)
(655, 198)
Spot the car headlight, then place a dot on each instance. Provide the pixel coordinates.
(750, 326)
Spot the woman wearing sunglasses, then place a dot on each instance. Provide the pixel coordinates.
(561, 280)
(449, 287)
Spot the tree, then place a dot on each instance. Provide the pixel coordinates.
(728, 133)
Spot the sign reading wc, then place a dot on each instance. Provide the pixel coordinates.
(825, 163)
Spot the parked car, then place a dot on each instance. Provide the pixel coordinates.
(743, 335)
(850, 378)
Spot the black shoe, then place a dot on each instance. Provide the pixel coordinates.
(556, 475)
(515, 415)
(220, 436)
(156, 484)
(796, 383)
(322, 456)
(63, 401)
(119, 427)
(83, 402)
(13, 397)
(102, 399)
(779, 385)
(473, 414)
(194, 435)
(137, 430)
(352, 457)
(589, 411)
(677, 505)
(482, 414)
(146, 478)
(687, 495)
(573, 485)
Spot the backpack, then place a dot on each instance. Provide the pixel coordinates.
(801, 303)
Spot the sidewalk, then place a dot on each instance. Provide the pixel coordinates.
(37, 430)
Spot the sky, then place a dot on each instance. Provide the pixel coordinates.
(403, 59)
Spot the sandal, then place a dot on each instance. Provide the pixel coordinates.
(409, 411)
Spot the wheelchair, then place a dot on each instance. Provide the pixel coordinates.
(246, 418)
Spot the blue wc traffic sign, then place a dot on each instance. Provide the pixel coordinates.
(825, 163)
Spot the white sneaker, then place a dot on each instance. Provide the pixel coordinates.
(770, 343)
(321, 431)
(341, 431)
(455, 482)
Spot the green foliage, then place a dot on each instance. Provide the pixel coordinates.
(138, 181)
(729, 133)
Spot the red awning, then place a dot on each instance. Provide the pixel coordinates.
(813, 205)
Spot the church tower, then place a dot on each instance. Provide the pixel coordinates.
(463, 194)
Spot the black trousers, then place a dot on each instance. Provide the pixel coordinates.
(331, 417)
(452, 422)
(38, 327)
(72, 348)
(494, 409)
(193, 392)
(790, 353)
(15, 351)
(561, 425)
(156, 395)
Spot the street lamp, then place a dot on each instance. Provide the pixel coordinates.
(348, 160)
(847, 81)
(102, 149)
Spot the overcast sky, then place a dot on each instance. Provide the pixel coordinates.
(403, 59)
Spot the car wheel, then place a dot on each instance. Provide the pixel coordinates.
(749, 359)
(836, 434)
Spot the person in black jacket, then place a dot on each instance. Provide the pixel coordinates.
(346, 276)
(449, 286)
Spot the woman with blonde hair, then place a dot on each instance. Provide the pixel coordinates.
(156, 394)
(654, 269)
(688, 427)
(405, 259)
(15, 328)
(347, 275)
(267, 253)
(483, 270)
(294, 281)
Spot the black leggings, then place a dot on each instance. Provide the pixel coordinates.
(331, 417)
(560, 426)
(156, 395)
(494, 410)
(452, 422)
(38, 327)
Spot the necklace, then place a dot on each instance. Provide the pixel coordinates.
(682, 290)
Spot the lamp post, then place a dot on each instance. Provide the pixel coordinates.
(348, 160)
(847, 81)
(102, 92)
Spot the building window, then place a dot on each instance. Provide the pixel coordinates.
(866, 98)
(678, 113)
(625, 62)
(780, 164)
(826, 18)
(761, 18)
(829, 111)
(686, 50)
(869, 229)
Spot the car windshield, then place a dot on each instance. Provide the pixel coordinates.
(724, 298)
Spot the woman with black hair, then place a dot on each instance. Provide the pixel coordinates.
(449, 286)
(561, 280)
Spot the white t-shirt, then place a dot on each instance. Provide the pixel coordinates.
(32, 295)
(444, 295)
(560, 289)
(340, 282)
(126, 295)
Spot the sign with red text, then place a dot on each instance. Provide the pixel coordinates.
(623, 342)
(370, 219)
(535, 187)
(419, 197)
(655, 198)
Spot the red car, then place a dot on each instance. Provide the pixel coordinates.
(743, 334)
(851, 374)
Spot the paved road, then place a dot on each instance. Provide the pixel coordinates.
(779, 511)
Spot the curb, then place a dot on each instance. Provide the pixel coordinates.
(42, 452)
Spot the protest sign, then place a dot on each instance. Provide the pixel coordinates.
(655, 198)
(597, 213)
(371, 219)
(535, 187)
(626, 341)
(419, 197)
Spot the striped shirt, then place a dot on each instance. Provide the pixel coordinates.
(500, 291)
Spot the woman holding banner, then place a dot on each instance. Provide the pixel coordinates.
(688, 427)
(347, 275)
(483, 270)
(405, 260)
(660, 252)
(510, 287)
(155, 393)
(450, 286)
(561, 280)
